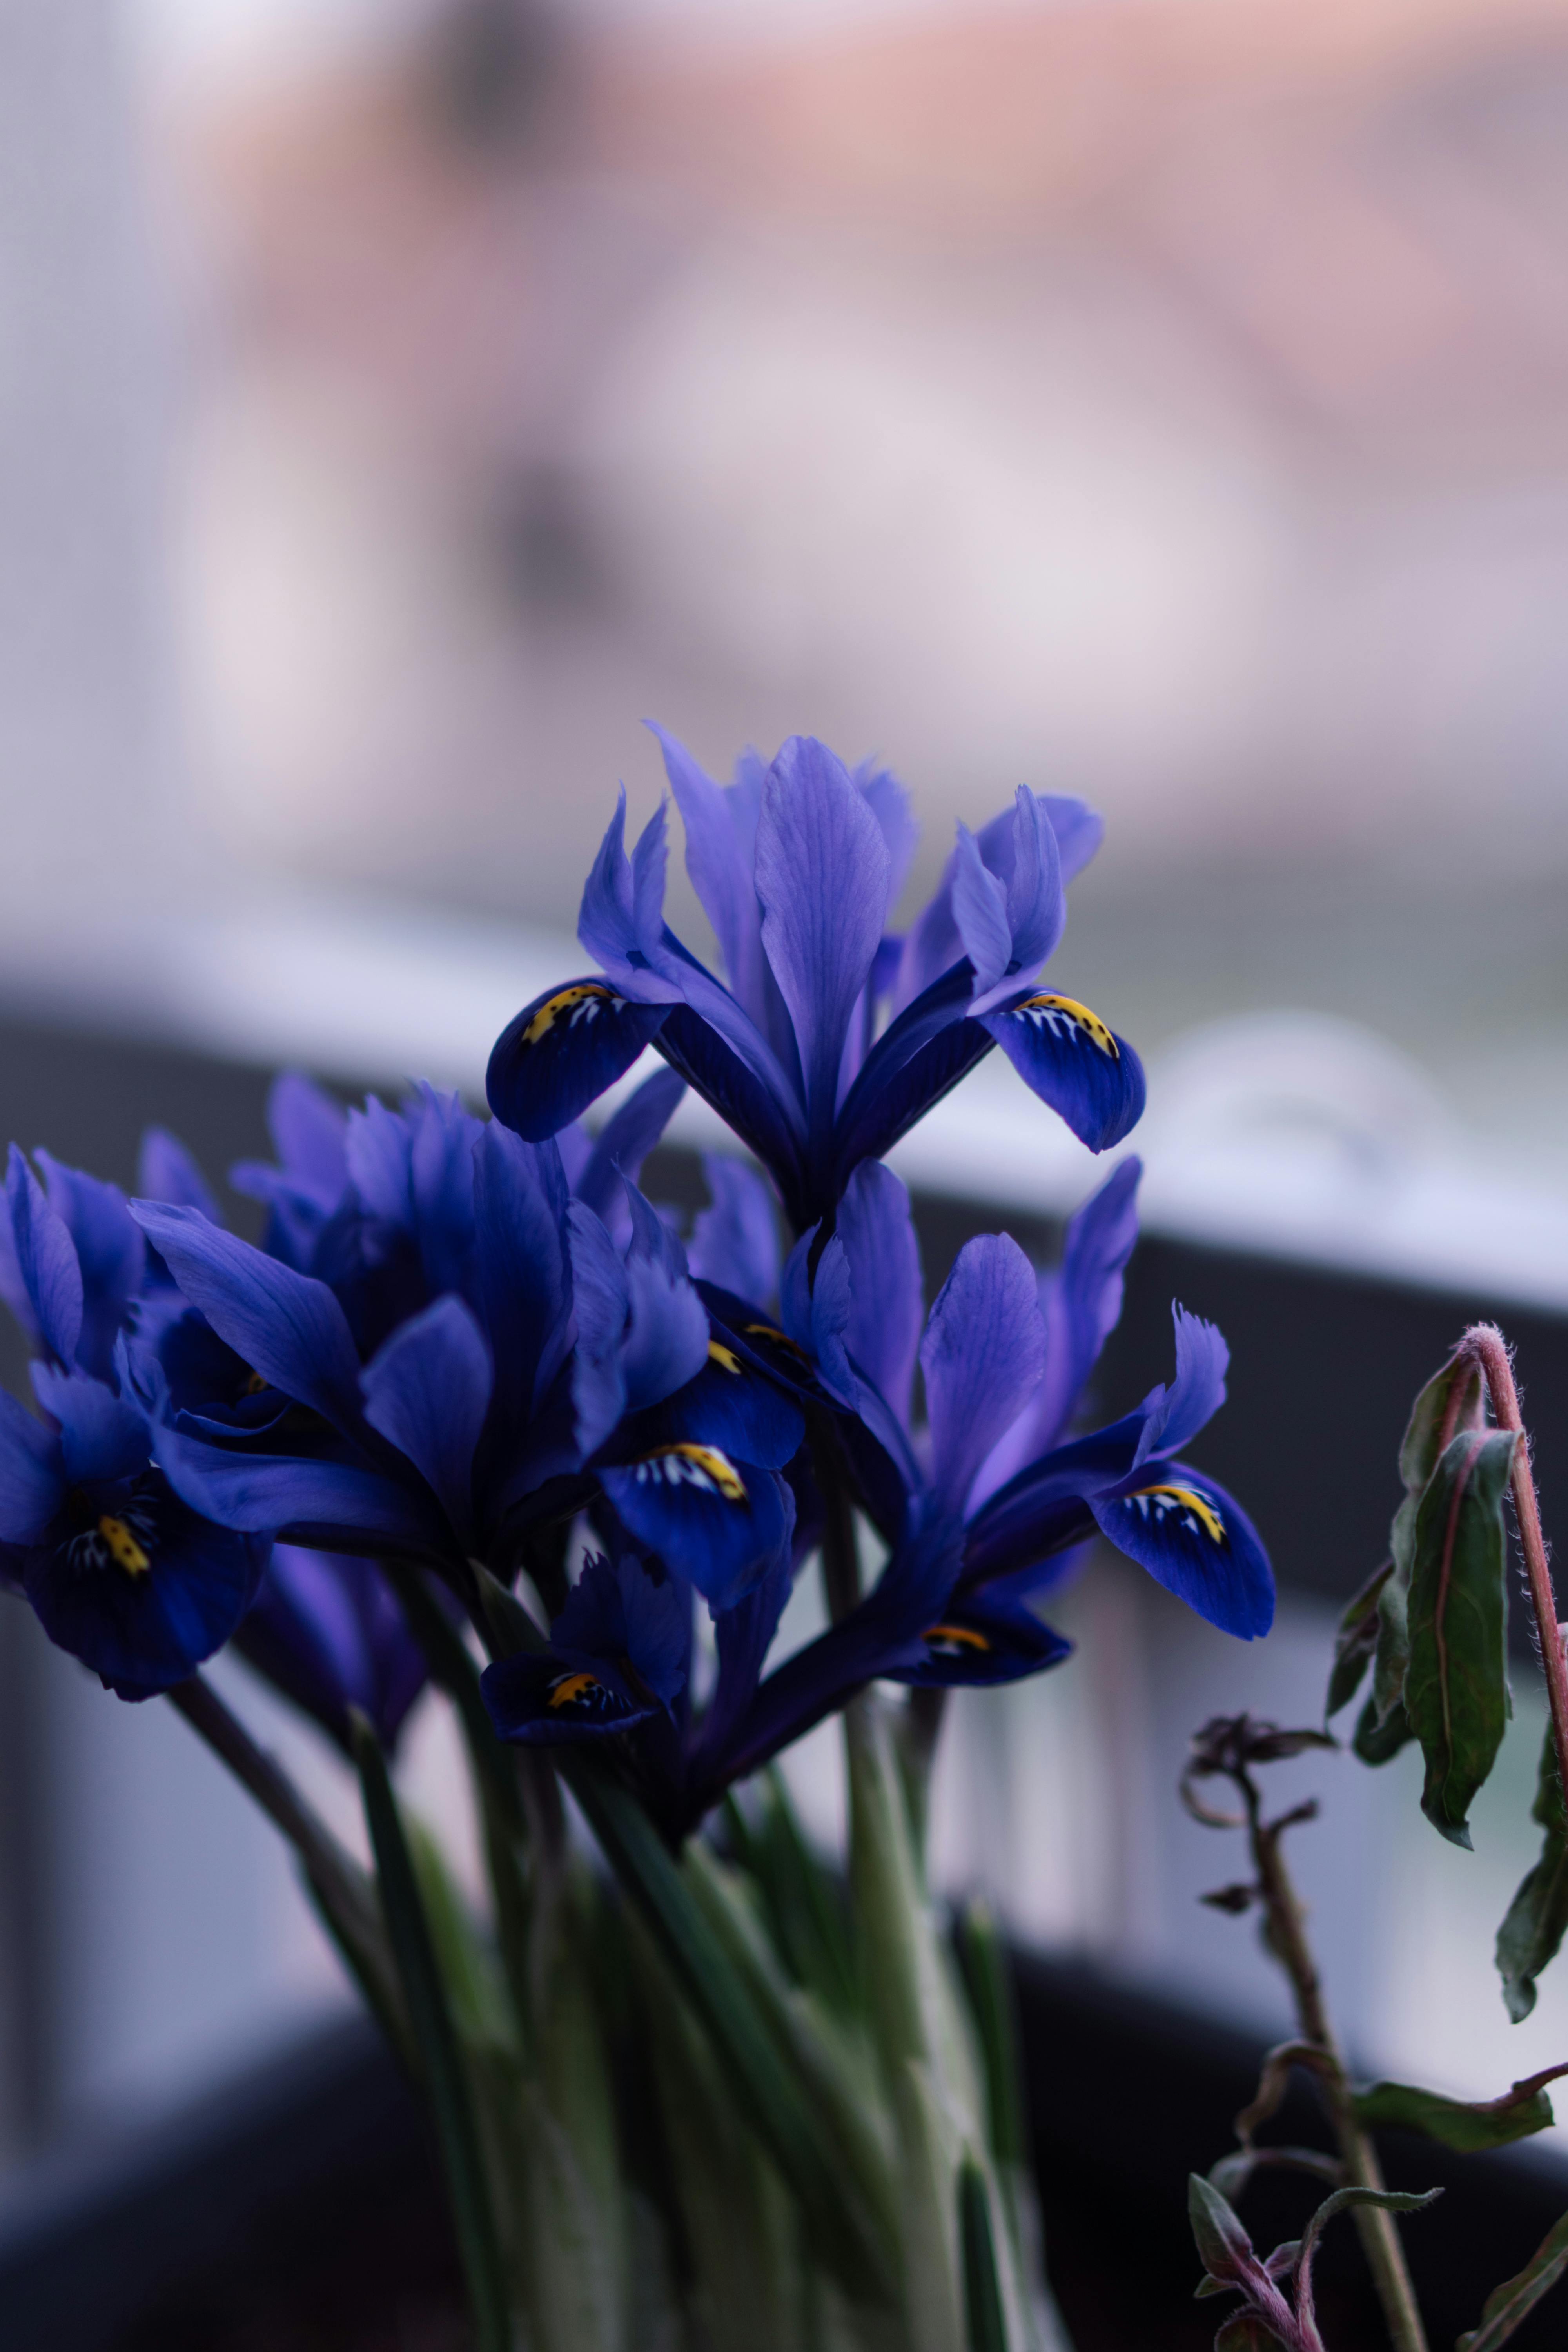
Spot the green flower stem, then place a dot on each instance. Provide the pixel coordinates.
(1286, 1939)
(1483, 1344)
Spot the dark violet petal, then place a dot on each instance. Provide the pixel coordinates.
(110, 1254)
(823, 876)
(815, 1307)
(523, 1274)
(336, 1505)
(167, 1172)
(101, 1435)
(144, 1631)
(1196, 1541)
(763, 1120)
(980, 1641)
(309, 1129)
(742, 1636)
(31, 1474)
(607, 920)
(428, 1392)
(887, 1299)
(732, 1404)
(736, 1242)
(327, 1630)
(563, 1051)
(1197, 1393)
(443, 1137)
(627, 1615)
(722, 1523)
(890, 1098)
(601, 1300)
(49, 1303)
(1079, 1302)
(287, 1326)
(378, 1149)
(666, 1330)
(980, 911)
(628, 1137)
(1064, 1053)
(982, 1355)
(1045, 1507)
(544, 1701)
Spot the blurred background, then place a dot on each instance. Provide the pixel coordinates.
(1163, 401)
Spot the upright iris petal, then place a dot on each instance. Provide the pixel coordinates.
(617, 1656)
(328, 1631)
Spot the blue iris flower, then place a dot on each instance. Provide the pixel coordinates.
(619, 1656)
(121, 1570)
(831, 1038)
(981, 1526)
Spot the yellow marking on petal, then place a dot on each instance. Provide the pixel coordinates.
(718, 1354)
(123, 1547)
(571, 1688)
(779, 1338)
(708, 1467)
(1092, 1026)
(1198, 1505)
(255, 1384)
(550, 1010)
(962, 1636)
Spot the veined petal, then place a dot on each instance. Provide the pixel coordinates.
(1195, 1540)
(601, 1301)
(889, 805)
(616, 905)
(1177, 1413)
(310, 1131)
(886, 1298)
(767, 1120)
(732, 1404)
(524, 1274)
(333, 1505)
(1079, 1301)
(823, 876)
(919, 1058)
(287, 1325)
(428, 1392)
(721, 849)
(627, 1616)
(627, 1138)
(723, 1523)
(167, 1172)
(101, 1436)
(1064, 1053)
(563, 1050)
(667, 1327)
(742, 1636)
(109, 1252)
(31, 1474)
(735, 1243)
(46, 1293)
(980, 911)
(545, 1701)
(982, 1350)
(978, 1642)
(1079, 829)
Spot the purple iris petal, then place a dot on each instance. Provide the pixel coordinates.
(334, 1504)
(523, 1274)
(562, 1051)
(101, 1436)
(310, 1131)
(617, 1656)
(287, 1326)
(617, 902)
(1196, 1541)
(1079, 1301)
(735, 1241)
(984, 1350)
(626, 1140)
(765, 1121)
(889, 805)
(45, 1292)
(327, 1630)
(981, 1642)
(666, 1326)
(167, 1172)
(31, 1474)
(601, 1299)
(1079, 832)
(823, 876)
(884, 1287)
(1177, 1413)
(428, 1392)
(980, 912)
(110, 1254)
(726, 1523)
(742, 1636)
(721, 825)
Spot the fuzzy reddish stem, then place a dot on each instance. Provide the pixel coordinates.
(1486, 1345)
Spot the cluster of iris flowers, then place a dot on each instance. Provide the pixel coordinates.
(470, 1345)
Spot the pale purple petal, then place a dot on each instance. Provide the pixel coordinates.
(886, 1300)
(980, 911)
(1197, 1393)
(823, 874)
(720, 844)
(982, 1355)
(607, 921)
(166, 1171)
(427, 1391)
(47, 1298)
(735, 1243)
(889, 805)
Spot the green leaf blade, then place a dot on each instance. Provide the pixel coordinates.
(1455, 1687)
(1532, 1934)
(1468, 2126)
(1355, 1642)
(987, 2326)
(1508, 2305)
(435, 2039)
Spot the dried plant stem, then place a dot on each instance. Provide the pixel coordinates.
(1486, 1346)
(1287, 1936)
